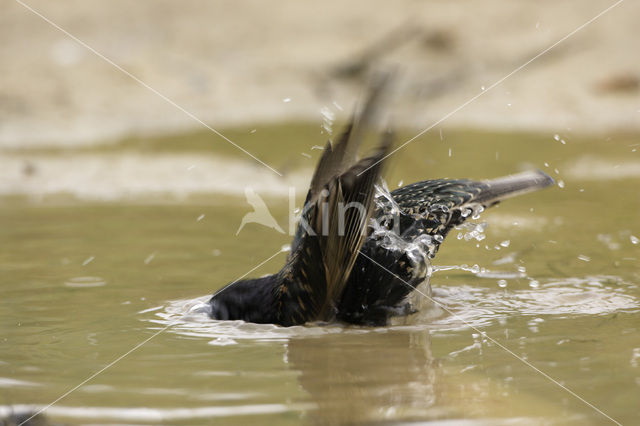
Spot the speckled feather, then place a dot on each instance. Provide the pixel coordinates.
(357, 276)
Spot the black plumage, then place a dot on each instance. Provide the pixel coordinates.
(360, 251)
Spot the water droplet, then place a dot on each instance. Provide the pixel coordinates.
(634, 240)
(560, 183)
(200, 217)
(449, 152)
(327, 119)
(304, 154)
(502, 283)
(534, 284)
(505, 243)
(88, 260)
(556, 137)
(400, 183)
(149, 258)
(222, 341)
(584, 258)
(286, 100)
(635, 357)
(285, 248)
(253, 131)
(482, 87)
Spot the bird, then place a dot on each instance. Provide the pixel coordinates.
(360, 251)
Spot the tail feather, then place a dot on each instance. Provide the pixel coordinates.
(513, 185)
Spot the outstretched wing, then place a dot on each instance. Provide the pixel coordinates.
(387, 271)
(333, 223)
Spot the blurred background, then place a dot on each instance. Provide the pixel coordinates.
(122, 188)
(232, 63)
(245, 64)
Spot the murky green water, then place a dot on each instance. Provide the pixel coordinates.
(83, 283)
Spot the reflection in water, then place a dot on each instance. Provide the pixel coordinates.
(354, 375)
(350, 381)
(367, 375)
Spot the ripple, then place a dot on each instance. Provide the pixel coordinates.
(190, 318)
(591, 295)
(460, 306)
(85, 282)
(6, 382)
(147, 414)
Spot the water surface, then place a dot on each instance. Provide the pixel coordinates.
(553, 279)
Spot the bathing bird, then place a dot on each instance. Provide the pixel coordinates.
(360, 251)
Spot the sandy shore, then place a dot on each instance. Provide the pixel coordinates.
(245, 62)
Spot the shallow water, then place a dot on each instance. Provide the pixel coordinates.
(552, 280)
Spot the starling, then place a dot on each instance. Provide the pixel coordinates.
(360, 251)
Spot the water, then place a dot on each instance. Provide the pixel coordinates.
(84, 282)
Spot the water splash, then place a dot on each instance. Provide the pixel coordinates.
(190, 318)
(481, 306)
(475, 231)
(328, 118)
(464, 306)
